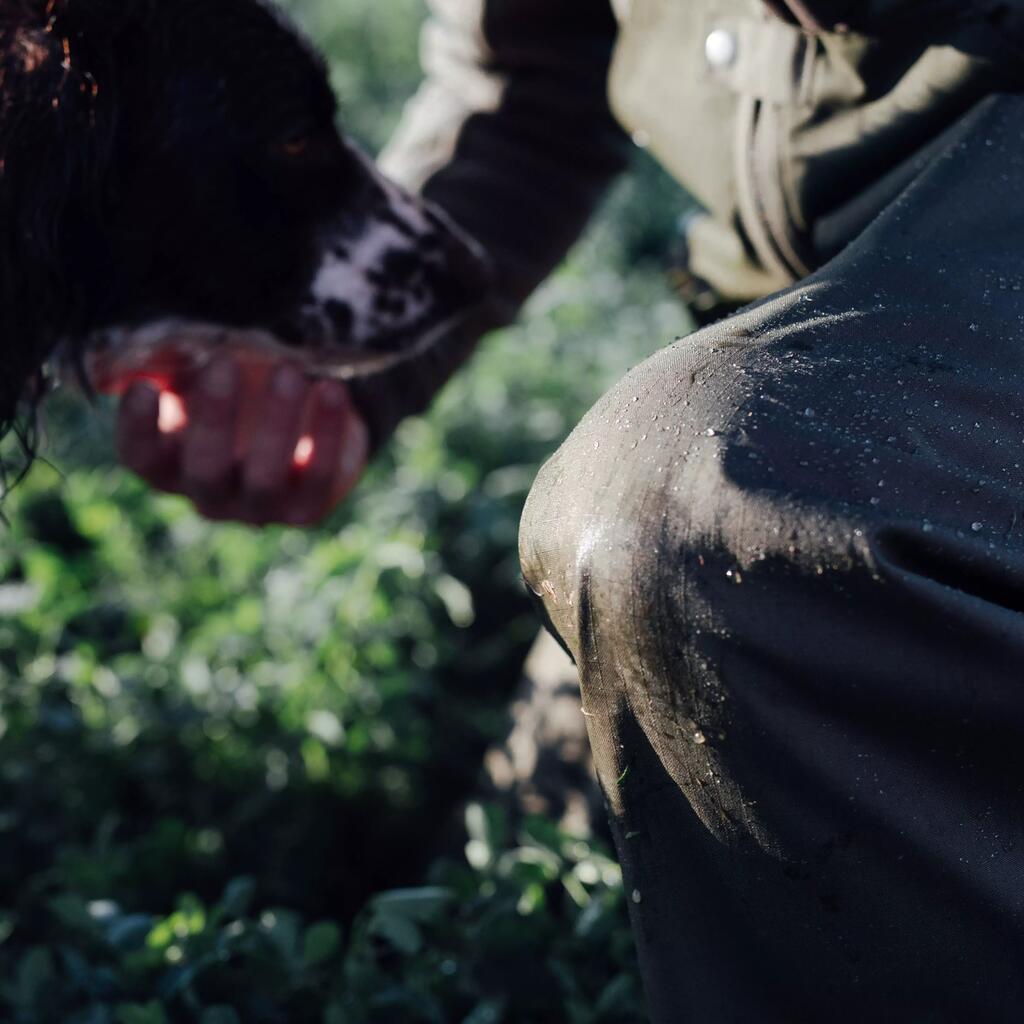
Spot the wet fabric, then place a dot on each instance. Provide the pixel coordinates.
(787, 555)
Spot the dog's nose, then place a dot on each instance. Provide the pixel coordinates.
(469, 267)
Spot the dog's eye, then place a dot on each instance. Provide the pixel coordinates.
(295, 147)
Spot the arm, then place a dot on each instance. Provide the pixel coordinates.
(511, 134)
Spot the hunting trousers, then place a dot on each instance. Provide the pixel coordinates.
(787, 556)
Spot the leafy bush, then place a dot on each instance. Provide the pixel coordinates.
(231, 760)
(523, 932)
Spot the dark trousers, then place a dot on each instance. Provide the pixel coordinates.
(787, 555)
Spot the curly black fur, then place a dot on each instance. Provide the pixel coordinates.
(123, 124)
(56, 125)
(179, 159)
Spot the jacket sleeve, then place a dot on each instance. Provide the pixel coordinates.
(511, 134)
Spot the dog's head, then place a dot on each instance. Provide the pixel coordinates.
(179, 159)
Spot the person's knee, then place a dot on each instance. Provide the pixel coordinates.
(633, 539)
(708, 483)
(623, 511)
(620, 534)
(580, 548)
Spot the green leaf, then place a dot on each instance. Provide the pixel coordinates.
(619, 996)
(422, 904)
(487, 824)
(72, 912)
(137, 1013)
(489, 1012)
(283, 927)
(35, 971)
(238, 897)
(401, 932)
(336, 1014)
(129, 931)
(321, 942)
(220, 1015)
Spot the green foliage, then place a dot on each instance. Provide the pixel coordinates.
(373, 49)
(533, 932)
(229, 758)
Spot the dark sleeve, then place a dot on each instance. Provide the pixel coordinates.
(511, 134)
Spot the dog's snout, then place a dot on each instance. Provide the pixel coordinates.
(469, 267)
(401, 276)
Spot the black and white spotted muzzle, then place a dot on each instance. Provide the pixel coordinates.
(392, 274)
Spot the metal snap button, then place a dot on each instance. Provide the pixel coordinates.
(720, 48)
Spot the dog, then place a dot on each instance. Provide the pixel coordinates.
(173, 168)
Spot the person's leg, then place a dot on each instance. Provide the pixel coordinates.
(787, 555)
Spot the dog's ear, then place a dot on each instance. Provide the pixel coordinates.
(58, 112)
(94, 16)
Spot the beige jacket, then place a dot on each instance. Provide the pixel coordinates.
(791, 122)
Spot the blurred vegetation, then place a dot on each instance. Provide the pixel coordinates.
(232, 761)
